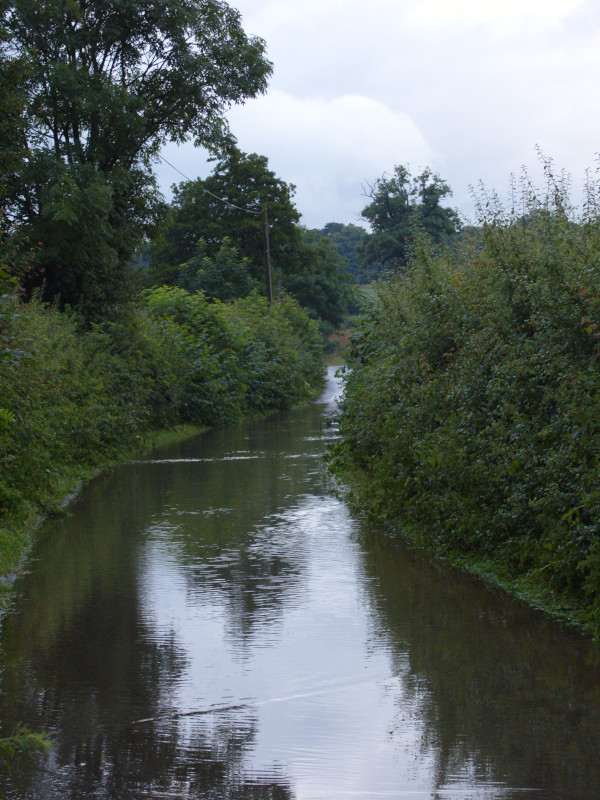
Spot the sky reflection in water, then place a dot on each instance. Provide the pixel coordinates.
(211, 623)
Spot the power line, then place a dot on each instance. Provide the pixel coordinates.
(220, 199)
(265, 225)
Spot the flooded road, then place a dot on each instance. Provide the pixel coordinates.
(210, 622)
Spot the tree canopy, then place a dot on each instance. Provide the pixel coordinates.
(399, 205)
(227, 204)
(108, 83)
(348, 239)
(212, 240)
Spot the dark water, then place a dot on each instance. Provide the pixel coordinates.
(211, 623)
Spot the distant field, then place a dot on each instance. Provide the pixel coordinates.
(340, 339)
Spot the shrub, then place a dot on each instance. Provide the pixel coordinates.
(73, 399)
(471, 401)
(281, 348)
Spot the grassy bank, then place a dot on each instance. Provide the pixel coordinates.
(471, 423)
(17, 531)
(76, 401)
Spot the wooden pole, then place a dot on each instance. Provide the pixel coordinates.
(265, 219)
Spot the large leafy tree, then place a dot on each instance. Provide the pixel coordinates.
(227, 205)
(110, 82)
(13, 148)
(213, 240)
(399, 205)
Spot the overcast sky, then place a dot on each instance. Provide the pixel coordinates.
(467, 87)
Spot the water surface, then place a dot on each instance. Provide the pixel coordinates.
(211, 623)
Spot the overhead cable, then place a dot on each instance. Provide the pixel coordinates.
(220, 199)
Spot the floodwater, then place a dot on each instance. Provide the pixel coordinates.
(211, 622)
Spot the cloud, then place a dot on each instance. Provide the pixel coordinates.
(329, 148)
(464, 86)
(508, 16)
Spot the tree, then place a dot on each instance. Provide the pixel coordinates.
(348, 239)
(227, 204)
(13, 148)
(109, 83)
(213, 240)
(399, 204)
(225, 276)
(320, 281)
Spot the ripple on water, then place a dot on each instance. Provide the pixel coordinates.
(212, 623)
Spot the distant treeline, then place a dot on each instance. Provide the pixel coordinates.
(470, 422)
(399, 205)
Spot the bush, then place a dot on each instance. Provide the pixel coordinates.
(208, 386)
(471, 407)
(281, 348)
(57, 401)
(73, 399)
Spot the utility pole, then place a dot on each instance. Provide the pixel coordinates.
(265, 220)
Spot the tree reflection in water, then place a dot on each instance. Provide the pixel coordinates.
(81, 657)
(503, 694)
(211, 623)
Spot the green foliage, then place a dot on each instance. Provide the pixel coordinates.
(100, 88)
(281, 349)
(8, 314)
(218, 246)
(73, 400)
(22, 741)
(319, 282)
(348, 240)
(62, 407)
(471, 408)
(224, 277)
(244, 182)
(83, 252)
(13, 75)
(400, 206)
(208, 386)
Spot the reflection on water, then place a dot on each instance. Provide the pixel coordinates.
(211, 623)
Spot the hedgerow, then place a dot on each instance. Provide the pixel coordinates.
(73, 399)
(471, 415)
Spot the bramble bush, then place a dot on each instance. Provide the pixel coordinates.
(281, 348)
(76, 398)
(470, 416)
